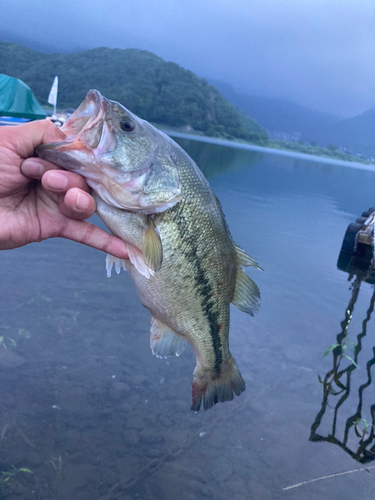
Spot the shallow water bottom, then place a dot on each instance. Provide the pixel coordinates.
(86, 411)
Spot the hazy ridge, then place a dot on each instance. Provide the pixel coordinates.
(173, 97)
(357, 133)
(286, 120)
(158, 91)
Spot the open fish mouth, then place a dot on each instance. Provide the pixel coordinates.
(86, 129)
(99, 149)
(87, 120)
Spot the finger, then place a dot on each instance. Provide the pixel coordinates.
(53, 178)
(28, 136)
(60, 181)
(77, 204)
(93, 236)
(36, 167)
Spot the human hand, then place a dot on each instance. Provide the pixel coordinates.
(40, 201)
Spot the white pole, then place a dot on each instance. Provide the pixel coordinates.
(52, 98)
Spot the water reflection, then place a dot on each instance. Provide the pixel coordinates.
(357, 432)
(216, 160)
(86, 407)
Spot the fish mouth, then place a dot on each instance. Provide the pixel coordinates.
(91, 139)
(86, 129)
(87, 116)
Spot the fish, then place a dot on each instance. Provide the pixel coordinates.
(183, 261)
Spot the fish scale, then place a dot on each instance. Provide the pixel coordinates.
(199, 252)
(194, 287)
(183, 261)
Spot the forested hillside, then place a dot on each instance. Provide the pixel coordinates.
(158, 91)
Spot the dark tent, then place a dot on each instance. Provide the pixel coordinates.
(17, 100)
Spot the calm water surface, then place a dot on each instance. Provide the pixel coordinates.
(93, 415)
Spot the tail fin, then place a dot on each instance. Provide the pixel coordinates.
(216, 388)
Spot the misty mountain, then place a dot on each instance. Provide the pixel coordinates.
(158, 91)
(280, 116)
(286, 120)
(10, 36)
(357, 133)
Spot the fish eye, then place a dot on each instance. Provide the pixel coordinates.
(127, 125)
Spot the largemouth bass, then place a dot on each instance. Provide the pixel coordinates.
(185, 266)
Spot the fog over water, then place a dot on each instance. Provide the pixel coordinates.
(317, 53)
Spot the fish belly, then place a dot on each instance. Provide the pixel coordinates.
(189, 299)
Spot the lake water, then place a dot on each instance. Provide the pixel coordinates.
(93, 415)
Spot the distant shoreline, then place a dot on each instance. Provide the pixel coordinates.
(274, 151)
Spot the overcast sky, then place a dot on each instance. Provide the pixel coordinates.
(319, 53)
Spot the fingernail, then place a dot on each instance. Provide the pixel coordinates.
(55, 180)
(32, 169)
(83, 202)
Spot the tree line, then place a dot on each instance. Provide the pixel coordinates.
(158, 91)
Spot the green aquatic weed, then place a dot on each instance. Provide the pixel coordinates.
(330, 349)
(343, 348)
(7, 475)
(56, 462)
(7, 342)
(344, 343)
(22, 332)
(11, 482)
(361, 433)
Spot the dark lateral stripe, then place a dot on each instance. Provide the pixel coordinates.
(203, 286)
(204, 290)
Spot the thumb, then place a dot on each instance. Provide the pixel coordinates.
(25, 138)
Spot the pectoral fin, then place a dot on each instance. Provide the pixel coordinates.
(136, 257)
(139, 234)
(111, 261)
(153, 249)
(246, 293)
(164, 341)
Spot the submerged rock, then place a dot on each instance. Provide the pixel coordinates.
(9, 358)
(135, 422)
(131, 436)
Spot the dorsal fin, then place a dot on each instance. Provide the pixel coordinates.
(246, 295)
(243, 259)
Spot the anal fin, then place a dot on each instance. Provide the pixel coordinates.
(164, 341)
